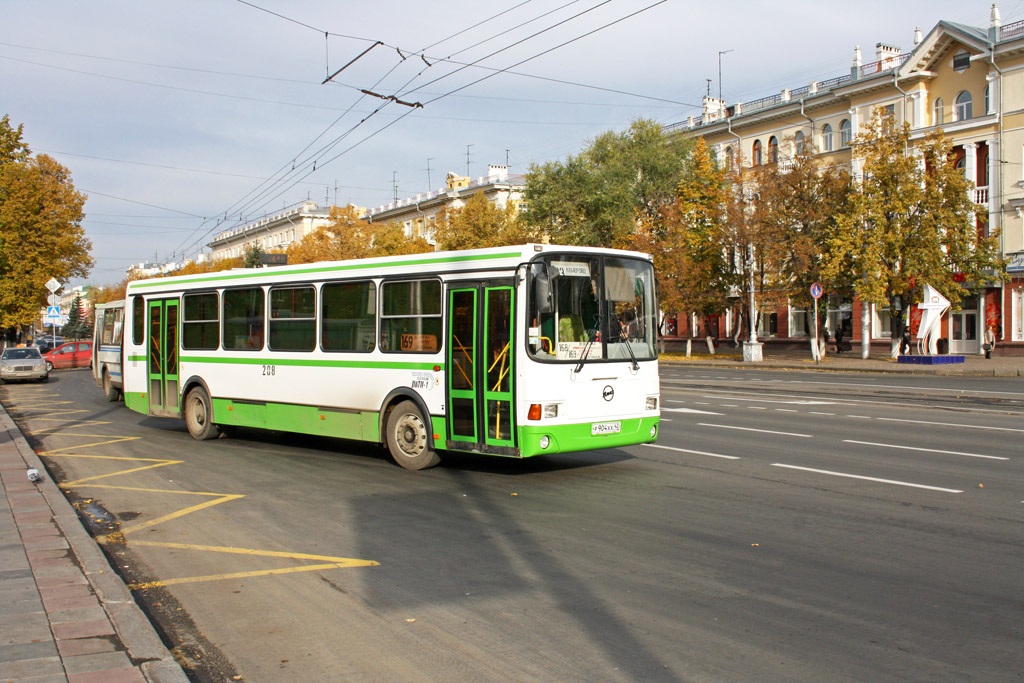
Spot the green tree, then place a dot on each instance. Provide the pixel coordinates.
(911, 222)
(481, 224)
(598, 197)
(40, 228)
(252, 255)
(73, 328)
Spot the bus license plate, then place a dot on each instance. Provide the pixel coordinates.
(605, 428)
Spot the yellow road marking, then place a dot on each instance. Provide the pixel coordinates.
(90, 445)
(244, 575)
(118, 537)
(259, 553)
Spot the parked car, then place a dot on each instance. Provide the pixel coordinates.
(70, 355)
(23, 364)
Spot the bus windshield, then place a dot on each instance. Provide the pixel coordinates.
(591, 308)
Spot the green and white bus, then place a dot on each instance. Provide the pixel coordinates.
(514, 351)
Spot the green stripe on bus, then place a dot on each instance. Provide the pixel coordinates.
(262, 274)
(136, 358)
(578, 437)
(313, 363)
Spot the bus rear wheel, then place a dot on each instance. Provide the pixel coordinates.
(199, 415)
(108, 387)
(408, 439)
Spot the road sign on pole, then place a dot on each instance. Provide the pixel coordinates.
(817, 290)
(53, 285)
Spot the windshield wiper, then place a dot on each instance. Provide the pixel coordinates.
(622, 328)
(586, 351)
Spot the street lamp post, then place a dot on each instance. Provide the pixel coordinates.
(752, 347)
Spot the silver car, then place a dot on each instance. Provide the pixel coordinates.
(23, 364)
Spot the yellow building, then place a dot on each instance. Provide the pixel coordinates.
(418, 215)
(965, 80)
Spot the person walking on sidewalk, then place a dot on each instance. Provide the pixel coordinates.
(990, 341)
(839, 338)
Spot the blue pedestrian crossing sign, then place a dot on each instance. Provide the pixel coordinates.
(53, 311)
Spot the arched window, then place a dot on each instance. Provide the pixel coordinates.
(729, 160)
(938, 112)
(845, 133)
(798, 142)
(964, 108)
(826, 138)
(758, 159)
(773, 150)
(961, 165)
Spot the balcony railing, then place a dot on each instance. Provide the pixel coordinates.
(1011, 30)
(979, 195)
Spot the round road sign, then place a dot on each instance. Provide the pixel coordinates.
(816, 290)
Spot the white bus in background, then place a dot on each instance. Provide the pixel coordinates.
(107, 348)
(516, 351)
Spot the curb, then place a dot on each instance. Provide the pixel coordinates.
(133, 628)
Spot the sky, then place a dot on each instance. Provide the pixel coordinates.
(183, 119)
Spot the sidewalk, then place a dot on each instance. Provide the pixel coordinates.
(65, 615)
(788, 359)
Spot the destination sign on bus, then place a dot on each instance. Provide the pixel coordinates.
(572, 268)
(573, 350)
(419, 342)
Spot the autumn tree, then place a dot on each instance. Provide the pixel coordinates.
(346, 237)
(694, 274)
(389, 239)
(911, 222)
(797, 211)
(597, 198)
(480, 223)
(41, 235)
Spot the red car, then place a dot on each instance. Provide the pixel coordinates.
(70, 355)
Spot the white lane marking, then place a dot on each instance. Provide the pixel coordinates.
(848, 401)
(702, 403)
(817, 413)
(866, 384)
(750, 429)
(857, 476)
(785, 410)
(757, 407)
(728, 405)
(684, 450)
(950, 424)
(860, 417)
(798, 402)
(688, 410)
(925, 450)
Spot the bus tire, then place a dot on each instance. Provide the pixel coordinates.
(199, 415)
(108, 388)
(408, 438)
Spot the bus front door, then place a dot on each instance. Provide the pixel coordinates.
(163, 358)
(480, 369)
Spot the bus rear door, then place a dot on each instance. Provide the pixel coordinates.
(163, 358)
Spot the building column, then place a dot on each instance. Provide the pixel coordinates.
(993, 190)
(919, 99)
(971, 161)
(993, 92)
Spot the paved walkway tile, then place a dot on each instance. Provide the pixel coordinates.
(83, 629)
(118, 676)
(26, 668)
(86, 646)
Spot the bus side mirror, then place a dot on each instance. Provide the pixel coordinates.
(542, 290)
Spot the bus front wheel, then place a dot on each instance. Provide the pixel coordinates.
(199, 415)
(408, 438)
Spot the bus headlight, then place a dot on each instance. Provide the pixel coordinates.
(545, 442)
(551, 410)
(652, 403)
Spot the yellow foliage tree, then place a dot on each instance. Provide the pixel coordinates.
(41, 235)
(482, 224)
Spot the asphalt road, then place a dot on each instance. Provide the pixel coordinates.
(788, 526)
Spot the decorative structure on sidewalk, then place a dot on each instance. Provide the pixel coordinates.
(932, 308)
